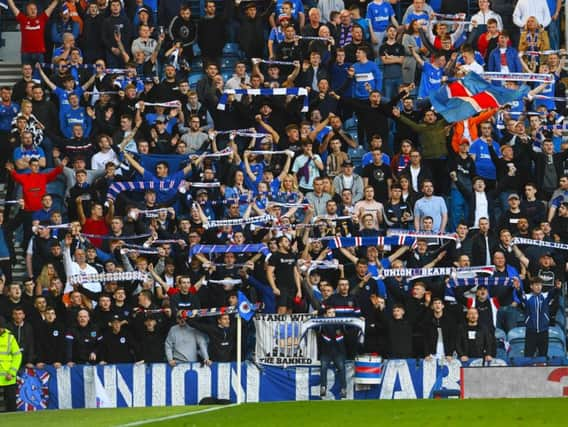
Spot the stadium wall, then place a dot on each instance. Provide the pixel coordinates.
(186, 384)
(514, 382)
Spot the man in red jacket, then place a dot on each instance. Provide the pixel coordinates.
(34, 186)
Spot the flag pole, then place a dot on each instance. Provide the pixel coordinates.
(239, 359)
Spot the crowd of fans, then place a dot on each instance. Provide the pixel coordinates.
(123, 152)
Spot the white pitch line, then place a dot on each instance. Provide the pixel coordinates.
(172, 417)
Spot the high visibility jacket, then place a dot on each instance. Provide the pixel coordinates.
(10, 358)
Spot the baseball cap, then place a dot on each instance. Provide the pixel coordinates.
(143, 9)
(201, 191)
(513, 196)
(161, 119)
(347, 163)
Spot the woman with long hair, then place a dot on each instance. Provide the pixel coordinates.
(48, 272)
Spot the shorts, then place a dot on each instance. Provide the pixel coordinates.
(286, 298)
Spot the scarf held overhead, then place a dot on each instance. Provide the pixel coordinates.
(294, 91)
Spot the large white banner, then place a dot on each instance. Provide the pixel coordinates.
(278, 340)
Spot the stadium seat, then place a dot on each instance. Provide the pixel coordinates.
(193, 79)
(226, 75)
(556, 349)
(501, 354)
(196, 50)
(561, 319)
(197, 64)
(232, 49)
(516, 334)
(517, 349)
(350, 124)
(228, 63)
(556, 335)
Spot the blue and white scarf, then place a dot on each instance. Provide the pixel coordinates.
(295, 91)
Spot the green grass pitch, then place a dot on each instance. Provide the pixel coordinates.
(400, 413)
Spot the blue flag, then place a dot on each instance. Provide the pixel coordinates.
(465, 98)
(246, 310)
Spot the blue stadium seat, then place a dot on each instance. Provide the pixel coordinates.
(232, 49)
(556, 349)
(228, 63)
(193, 79)
(555, 334)
(226, 75)
(561, 319)
(516, 334)
(197, 64)
(350, 124)
(517, 349)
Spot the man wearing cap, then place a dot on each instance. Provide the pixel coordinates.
(117, 345)
(347, 179)
(10, 360)
(251, 32)
(510, 217)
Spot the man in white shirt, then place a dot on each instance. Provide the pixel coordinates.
(194, 138)
(527, 8)
(480, 202)
(107, 154)
(485, 14)
(432, 206)
(79, 267)
(327, 6)
(240, 78)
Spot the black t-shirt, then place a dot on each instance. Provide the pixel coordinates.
(378, 176)
(283, 269)
(392, 71)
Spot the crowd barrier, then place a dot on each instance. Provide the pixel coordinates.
(132, 385)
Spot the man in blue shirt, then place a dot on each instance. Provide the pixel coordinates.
(69, 87)
(367, 75)
(72, 116)
(479, 150)
(8, 110)
(432, 73)
(432, 206)
(381, 15)
(416, 12)
(26, 152)
(166, 185)
(298, 14)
